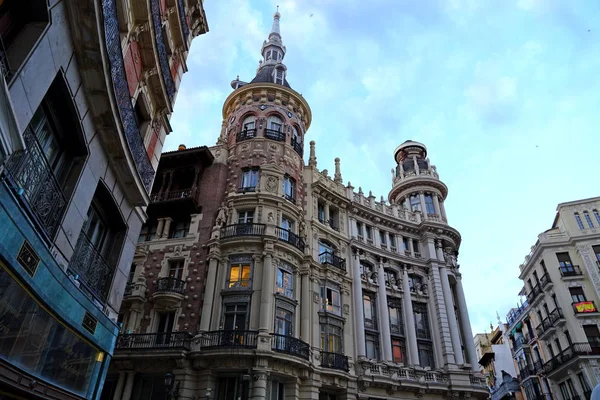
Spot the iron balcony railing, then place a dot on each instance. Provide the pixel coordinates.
(171, 195)
(245, 135)
(246, 189)
(297, 147)
(535, 291)
(152, 341)
(290, 345)
(328, 257)
(575, 350)
(90, 268)
(538, 366)
(545, 279)
(397, 329)
(526, 372)
(334, 361)
(290, 237)
(423, 334)
(128, 289)
(161, 47)
(556, 315)
(43, 195)
(571, 270)
(4, 65)
(243, 230)
(290, 198)
(228, 339)
(170, 285)
(275, 135)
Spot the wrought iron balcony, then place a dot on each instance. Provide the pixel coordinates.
(328, 257)
(570, 353)
(290, 237)
(29, 170)
(538, 366)
(545, 281)
(290, 345)
(171, 195)
(534, 293)
(334, 361)
(163, 56)
(297, 147)
(423, 334)
(275, 135)
(170, 285)
(571, 270)
(228, 339)
(243, 230)
(90, 268)
(290, 198)
(246, 189)
(4, 65)
(112, 39)
(153, 341)
(182, 20)
(245, 135)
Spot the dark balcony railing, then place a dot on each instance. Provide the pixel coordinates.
(290, 237)
(535, 291)
(171, 195)
(526, 372)
(584, 307)
(4, 65)
(297, 147)
(328, 257)
(423, 334)
(545, 279)
(290, 345)
(90, 268)
(555, 315)
(397, 329)
(228, 339)
(334, 361)
(29, 170)
(150, 341)
(247, 189)
(128, 288)
(275, 135)
(290, 198)
(245, 135)
(538, 366)
(243, 230)
(170, 285)
(572, 270)
(163, 56)
(575, 350)
(183, 20)
(112, 39)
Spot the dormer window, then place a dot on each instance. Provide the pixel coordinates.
(279, 76)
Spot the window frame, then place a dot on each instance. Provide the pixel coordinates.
(280, 286)
(240, 282)
(331, 307)
(330, 335)
(249, 179)
(289, 188)
(180, 226)
(415, 203)
(429, 205)
(588, 219)
(579, 221)
(245, 217)
(370, 323)
(374, 339)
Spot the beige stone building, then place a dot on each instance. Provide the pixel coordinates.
(555, 335)
(287, 283)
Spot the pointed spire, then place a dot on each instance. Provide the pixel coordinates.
(337, 177)
(275, 28)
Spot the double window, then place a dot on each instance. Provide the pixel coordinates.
(331, 338)
(424, 345)
(372, 346)
(235, 317)
(332, 301)
(395, 311)
(180, 228)
(274, 123)
(245, 217)
(390, 277)
(285, 283)
(565, 264)
(249, 124)
(249, 179)
(176, 269)
(289, 188)
(399, 350)
(283, 322)
(597, 216)
(366, 270)
(577, 294)
(148, 232)
(239, 275)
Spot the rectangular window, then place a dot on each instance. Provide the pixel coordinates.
(429, 204)
(372, 346)
(321, 212)
(415, 203)
(283, 322)
(235, 316)
(148, 232)
(359, 230)
(249, 179)
(421, 320)
(577, 294)
(596, 250)
(331, 300)
(382, 237)
(239, 275)
(164, 327)
(369, 231)
(564, 260)
(246, 217)
(579, 221)
(399, 351)
(366, 270)
(588, 219)
(232, 388)
(426, 354)
(285, 283)
(415, 282)
(334, 217)
(180, 228)
(592, 334)
(584, 384)
(289, 188)
(416, 248)
(390, 277)
(331, 338)
(597, 216)
(176, 269)
(396, 325)
(369, 311)
(277, 390)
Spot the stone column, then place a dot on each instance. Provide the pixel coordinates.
(436, 204)
(453, 324)
(391, 239)
(327, 213)
(376, 238)
(308, 390)
(411, 247)
(266, 294)
(409, 326)
(357, 305)
(407, 203)
(399, 244)
(384, 315)
(167, 229)
(120, 385)
(305, 303)
(436, 292)
(159, 228)
(423, 207)
(443, 210)
(209, 294)
(466, 324)
(259, 385)
(353, 228)
(128, 386)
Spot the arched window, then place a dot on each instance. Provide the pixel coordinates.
(295, 135)
(579, 222)
(586, 215)
(274, 123)
(279, 76)
(249, 123)
(597, 215)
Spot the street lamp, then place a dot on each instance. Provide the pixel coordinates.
(172, 390)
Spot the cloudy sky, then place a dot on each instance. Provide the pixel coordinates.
(505, 94)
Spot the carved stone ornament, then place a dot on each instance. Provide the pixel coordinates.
(272, 183)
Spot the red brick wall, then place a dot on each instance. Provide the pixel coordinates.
(133, 66)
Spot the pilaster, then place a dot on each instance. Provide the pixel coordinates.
(357, 306)
(384, 314)
(209, 294)
(411, 332)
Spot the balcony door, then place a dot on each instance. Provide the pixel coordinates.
(176, 269)
(97, 230)
(287, 225)
(593, 337)
(235, 317)
(164, 328)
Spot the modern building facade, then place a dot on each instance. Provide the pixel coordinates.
(555, 335)
(87, 89)
(286, 283)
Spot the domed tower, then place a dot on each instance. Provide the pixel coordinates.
(416, 183)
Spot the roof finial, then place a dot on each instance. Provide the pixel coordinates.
(275, 28)
(337, 177)
(312, 158)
